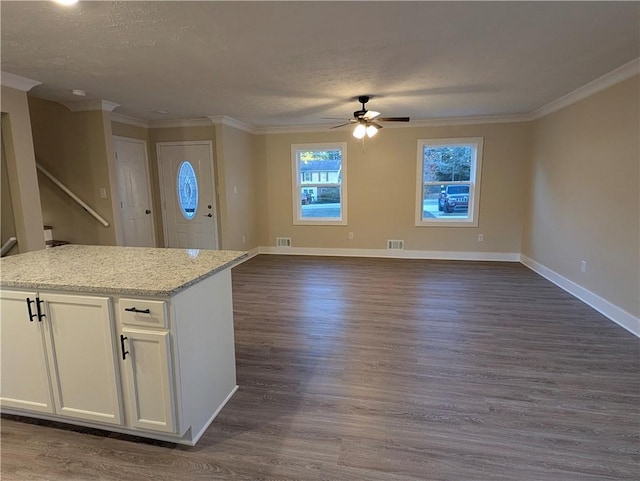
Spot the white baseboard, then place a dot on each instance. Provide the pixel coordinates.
(613, 312)
(398, 254)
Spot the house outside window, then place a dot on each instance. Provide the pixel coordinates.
(448, 182)
(319, 188)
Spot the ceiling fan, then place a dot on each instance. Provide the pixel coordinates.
(365, 120)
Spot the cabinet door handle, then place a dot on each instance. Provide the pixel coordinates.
(124, 353)
(31, 314)
(40, 314)
(140, 311)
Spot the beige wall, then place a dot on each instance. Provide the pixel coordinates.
(130, 131)
(237, 188)
(585, 202)
(261, 186)
(21, 168)
(7, 223)
(381, 191)
(76, 147)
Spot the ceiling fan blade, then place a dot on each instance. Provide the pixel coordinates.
(341, 125)
(375, 124)
(393, 119)
(370, 114)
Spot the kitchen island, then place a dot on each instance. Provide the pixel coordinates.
(126, 339)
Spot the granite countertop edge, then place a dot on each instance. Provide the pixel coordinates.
(63, 285)
(114, 290)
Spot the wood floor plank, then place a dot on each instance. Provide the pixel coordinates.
(388, 369)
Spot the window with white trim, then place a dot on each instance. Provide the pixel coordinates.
(319, 173)
(448, 182)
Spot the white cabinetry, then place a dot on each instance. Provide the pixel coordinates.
(161, 368)
(147, 365)
(25, 377)
(59, 348)
(82, 358)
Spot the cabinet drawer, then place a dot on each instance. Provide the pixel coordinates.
(143, 312)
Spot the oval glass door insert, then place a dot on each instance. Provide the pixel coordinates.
(187, 190)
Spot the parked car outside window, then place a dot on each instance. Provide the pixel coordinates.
(454, 198)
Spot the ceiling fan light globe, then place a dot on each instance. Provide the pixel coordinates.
(372, 130)
(360, 131)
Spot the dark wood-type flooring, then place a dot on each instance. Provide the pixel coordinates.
(388, 369)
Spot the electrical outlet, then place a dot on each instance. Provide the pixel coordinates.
(103, 193)
(480, 237)
(350, 235)
(244, 239)
(235, 189)
(583, 266)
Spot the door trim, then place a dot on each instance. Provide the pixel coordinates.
(214, 186)
(147, 169)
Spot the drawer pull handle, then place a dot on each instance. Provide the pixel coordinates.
(31, 314)
(140, 311)
(124, 353)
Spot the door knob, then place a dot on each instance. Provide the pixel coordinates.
(147, 212)
(209, 215)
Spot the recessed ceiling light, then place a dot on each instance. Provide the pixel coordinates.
(79, 93)
(66, 2)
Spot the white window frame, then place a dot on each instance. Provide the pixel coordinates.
(474, 182)
(297, 184)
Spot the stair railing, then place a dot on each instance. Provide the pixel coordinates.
(7, 246)
(67, 191)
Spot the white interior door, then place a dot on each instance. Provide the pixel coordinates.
(188, 195)
(134, 192)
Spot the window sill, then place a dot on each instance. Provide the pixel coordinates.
(447, 223)
(319, 222)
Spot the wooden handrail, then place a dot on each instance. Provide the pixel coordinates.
(66, 190)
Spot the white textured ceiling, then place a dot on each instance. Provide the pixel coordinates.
(275, 64)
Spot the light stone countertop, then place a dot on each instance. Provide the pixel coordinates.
(135, 271)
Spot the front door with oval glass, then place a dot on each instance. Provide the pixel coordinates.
(188, 207)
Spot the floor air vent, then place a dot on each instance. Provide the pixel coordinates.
(283, 241)
(395, 245)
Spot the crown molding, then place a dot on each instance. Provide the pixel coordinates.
(168, 124)
(88, 105)
(125, 119)
(231, 122)
(16, 82)
(618, 75)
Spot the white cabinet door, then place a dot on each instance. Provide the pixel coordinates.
(149, 380)
(24, 375)
(82, 359)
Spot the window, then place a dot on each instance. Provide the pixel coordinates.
(319, 190)
(448, 187)
(187, 190)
